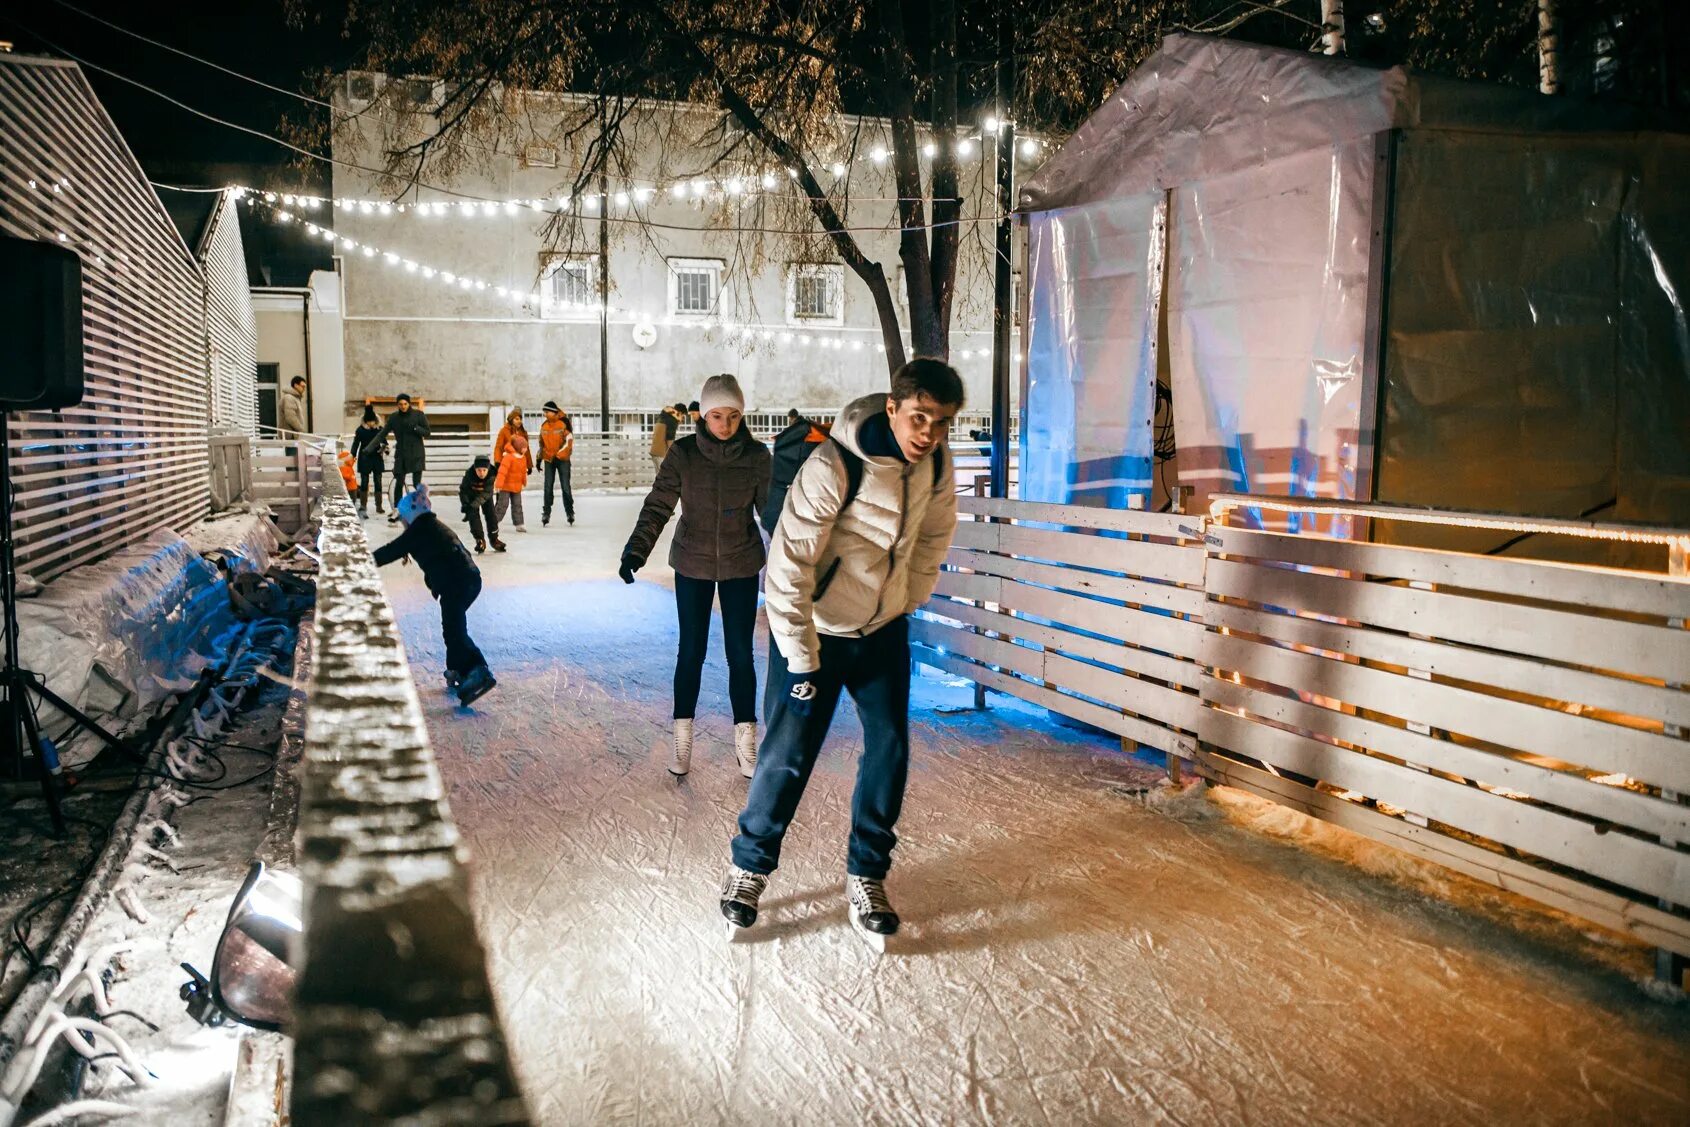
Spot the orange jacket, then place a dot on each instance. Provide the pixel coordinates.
(506, 433)
(514, 465)
(347, 473)
(557, 441)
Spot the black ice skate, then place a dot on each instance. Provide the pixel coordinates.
(740, 892)
(871, 912)
(476, 684)
(453, 678)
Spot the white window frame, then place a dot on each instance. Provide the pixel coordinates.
(550, 309)
(713, 266)
(834, 272)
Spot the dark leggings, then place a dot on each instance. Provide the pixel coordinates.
(399, 483)
(365, 492)
(739, 620)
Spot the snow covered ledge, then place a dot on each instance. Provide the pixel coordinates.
(394, 1017)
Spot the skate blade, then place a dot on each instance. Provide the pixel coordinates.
(737, 934)
(875, 941)
(467, 699)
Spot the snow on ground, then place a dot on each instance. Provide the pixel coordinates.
(1071, 952)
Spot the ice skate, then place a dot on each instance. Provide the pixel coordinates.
(480, 546)
(476, 684)
(393, 517)
(745, 747)
(740, 893)
(499, 545)
(871, 912)
(681, 763)
(453, 678)
(523, 528)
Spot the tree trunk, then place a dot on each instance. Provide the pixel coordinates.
(1332, 27)
(897, 94)
(1548, 48)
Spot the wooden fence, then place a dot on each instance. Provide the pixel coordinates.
(287, 476)
(1522, 722)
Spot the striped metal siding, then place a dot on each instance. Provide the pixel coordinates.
(132, 457)
(231, 331)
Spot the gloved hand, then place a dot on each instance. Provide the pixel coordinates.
(630, 564)
(800, 692)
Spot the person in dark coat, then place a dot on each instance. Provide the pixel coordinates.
(719, 476)
(409, 427)
(453, 579)
(369, 449)
(477, 494)
(792, 446)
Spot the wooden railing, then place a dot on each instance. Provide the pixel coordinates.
(287, 476)
(1520, 721)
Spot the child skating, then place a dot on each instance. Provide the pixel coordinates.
(453, 579)
(475, 496)
(515, 460)
(866, 524)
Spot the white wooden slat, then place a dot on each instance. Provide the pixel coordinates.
(1169, 562)
(1170, 636)
(144, 331)
(1518, 674)
(1613, 588)
(1167, 596)
(1580, 740)
(1566, 636)
(1166, 525)
(1130, 727)
(1631, 862)
(1131, 694)
(1642, 921)
(1619, 805)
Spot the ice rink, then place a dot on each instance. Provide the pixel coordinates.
(1071, 953)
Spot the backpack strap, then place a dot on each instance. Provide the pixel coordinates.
(853, 473)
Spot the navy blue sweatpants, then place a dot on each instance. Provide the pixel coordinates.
(875, 671)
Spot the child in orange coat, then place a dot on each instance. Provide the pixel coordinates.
(347, 473)
(515, 460)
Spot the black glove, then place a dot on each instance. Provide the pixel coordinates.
(630, 564)
(800, 692)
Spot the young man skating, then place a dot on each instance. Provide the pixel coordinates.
(865, 527)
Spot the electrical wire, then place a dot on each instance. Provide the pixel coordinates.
(417, 184)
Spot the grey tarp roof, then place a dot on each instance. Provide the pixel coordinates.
(1202, 106)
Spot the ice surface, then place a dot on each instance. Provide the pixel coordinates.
(1071, 952)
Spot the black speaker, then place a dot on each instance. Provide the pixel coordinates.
(41, 325)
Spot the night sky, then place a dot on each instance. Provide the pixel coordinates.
(250, 36)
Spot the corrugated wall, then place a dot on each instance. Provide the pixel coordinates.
(133, 455)
(231, 332)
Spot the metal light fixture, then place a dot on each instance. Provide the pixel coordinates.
(252, 973)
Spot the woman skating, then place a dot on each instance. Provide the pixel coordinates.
(369, 447)
(719, 475)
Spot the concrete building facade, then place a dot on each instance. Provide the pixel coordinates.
(480, 289)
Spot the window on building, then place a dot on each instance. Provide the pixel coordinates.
(695, 285)
(569, 286)
(815, 294)
(538, 154)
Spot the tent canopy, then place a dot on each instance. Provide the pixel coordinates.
(1202, 107)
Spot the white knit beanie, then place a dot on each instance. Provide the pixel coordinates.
(720, 391)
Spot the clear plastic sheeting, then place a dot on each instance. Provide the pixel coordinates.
(1537, 336)
(1095, 283)
(117, 637)
(1267, 296)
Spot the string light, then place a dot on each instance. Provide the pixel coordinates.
(746, 333)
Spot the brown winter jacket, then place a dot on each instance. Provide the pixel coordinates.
(720, 487)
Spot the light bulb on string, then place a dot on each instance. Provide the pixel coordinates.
(621, 199)
(385, 209)
(1029, 147)
(930, 150)
(838, 169)
(878, 154)
(510, 207)
(677, 189)
(699, 187)
(768, 180)
(489, 208)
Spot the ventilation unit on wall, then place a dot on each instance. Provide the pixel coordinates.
(538, 154)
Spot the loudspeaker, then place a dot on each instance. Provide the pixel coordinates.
(40, 325)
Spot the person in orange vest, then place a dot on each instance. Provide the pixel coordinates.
(514, 460)
(557, 447)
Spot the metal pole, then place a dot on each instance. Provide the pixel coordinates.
(604, 302)
(1003, 313)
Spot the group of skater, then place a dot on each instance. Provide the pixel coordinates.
(860, 516)
(492, 485)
